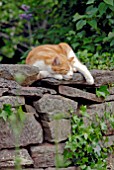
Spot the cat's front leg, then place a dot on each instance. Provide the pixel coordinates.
(85, 72)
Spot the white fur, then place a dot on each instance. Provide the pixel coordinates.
(81, 68)
(42, 66)
(46, 71)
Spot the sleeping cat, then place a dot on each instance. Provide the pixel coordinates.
(57, 61)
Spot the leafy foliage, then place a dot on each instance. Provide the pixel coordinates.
(88, 26)
(102, 91)
(83, 147)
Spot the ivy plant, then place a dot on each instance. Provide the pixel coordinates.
(102, 91)
(83, 148)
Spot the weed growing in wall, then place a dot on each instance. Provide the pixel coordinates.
(16, 119)
(102, 91)
(86, 146)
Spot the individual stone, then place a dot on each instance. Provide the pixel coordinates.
(12, 100)
(33, 169)
(7, 158)
(109, 98)
(50, 105)
(74, 92)
(31, 133)
(110, 162)
(4, 83)
(101, 77)
(23, 74)
(111, 90)
(110, 141)
(68, 168)
(3, 90)
(30, 109)
(31, 91)
(24, 169)
(45, 155)
(101, 109)
(56, 130)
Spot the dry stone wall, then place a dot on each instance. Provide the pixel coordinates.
(41, 101)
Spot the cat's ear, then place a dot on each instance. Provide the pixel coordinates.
(56, 61)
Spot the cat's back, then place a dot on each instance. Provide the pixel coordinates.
(48, 51)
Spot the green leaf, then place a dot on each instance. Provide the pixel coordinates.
(80, 24)
(112, 43)
(3, 115)
(93, 23)
(109, 2)
(111, 7)
(102, 91)
(90, 1)
(77, 16)
(91, 10)
(102, 8)
(111, 35)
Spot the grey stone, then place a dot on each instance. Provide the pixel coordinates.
(3, 90)
(76, 93)
(31, 133)
(24, 169)
(26, 72)
(102, 77)
(4, 83)
(45, 155)
(109, 98)
(110, 141)
(111, 90)
(30, 109)
(56, 130)
(31, 91)
(110, 161)
(50, 105)
(68, 168)
(7, 158)
(12, 100)
(100, 109)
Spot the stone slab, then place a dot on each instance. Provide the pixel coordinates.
(77, 93)
(44, 155)
(102, 77)
(31, 133)
(56, 130)
(31, 91)
(50, 105)
(18, 71)
(14, 101)
(7, 158)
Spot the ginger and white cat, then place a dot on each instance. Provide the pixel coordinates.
(57, 61)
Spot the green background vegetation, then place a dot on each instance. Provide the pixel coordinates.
(87, 25)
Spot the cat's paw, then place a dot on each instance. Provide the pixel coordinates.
(90, 80)
(74, 69)
(58, 76)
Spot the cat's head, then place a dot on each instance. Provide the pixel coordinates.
(63, 66)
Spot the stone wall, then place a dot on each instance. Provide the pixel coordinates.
(42, 100)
